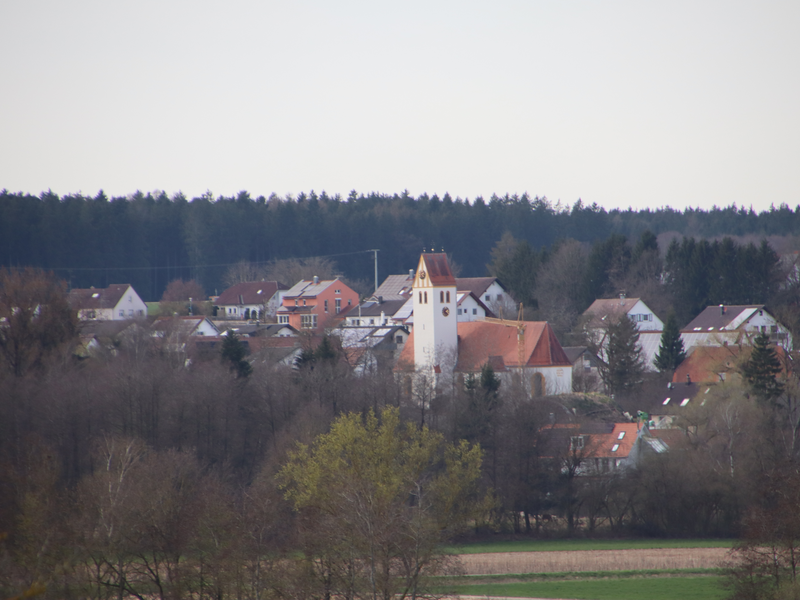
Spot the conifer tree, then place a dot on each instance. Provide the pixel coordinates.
(762, 369)
(671, 353)
(625, 361)
(234, 352)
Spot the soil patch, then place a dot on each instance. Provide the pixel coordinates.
(503, 563)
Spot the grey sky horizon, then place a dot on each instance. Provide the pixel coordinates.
(622, 103)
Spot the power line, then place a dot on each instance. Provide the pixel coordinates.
(210, 266)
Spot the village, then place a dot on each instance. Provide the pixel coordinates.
(437, 332)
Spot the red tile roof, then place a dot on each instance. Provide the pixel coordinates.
(480, 342)
(705, 363)
(438, 269)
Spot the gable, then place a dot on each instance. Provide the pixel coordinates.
(434, 270)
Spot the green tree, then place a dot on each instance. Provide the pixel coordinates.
(671, 352)
(233, 352)
(624, 361)
(762, 368)
(378, 498)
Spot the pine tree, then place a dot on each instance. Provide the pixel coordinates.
(762, 369)
(625, 362)
(671, 353)
(234, 352)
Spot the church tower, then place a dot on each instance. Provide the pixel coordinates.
(435, 323)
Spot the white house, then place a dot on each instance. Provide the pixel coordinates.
(117, 302)
(251, 300)
(491, 293)
(470, 308)
(606, 310)
(734, 324)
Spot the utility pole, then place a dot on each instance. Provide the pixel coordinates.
(376, 267)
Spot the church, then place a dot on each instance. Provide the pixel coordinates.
(442, 348)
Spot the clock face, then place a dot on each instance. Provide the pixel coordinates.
(445, 311)
(422, 274)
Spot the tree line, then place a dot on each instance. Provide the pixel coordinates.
(149, 239)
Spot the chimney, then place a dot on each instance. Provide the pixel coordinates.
(316, 280)
(411, 273)
(721, 309)
(688, 379)
(380, 299)
(621, 298)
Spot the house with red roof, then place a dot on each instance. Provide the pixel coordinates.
(251, 300)
(314, 305)
(441, 347)
(117, 302)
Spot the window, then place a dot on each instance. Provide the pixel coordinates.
(499, 297)
(326, 306)
(441, 297)
(459, 311)
(448, 296)
(372, 321)
(121, 313)
(398, 339)
(338, 305)
(420, 297)
(130, 312)
(304, 302)
(426, 297)
(140, 312)
(488, 298)
(474, 311)
(308, 321)
(615, 447)
(283, 319)
(621, 435)
(576, 442)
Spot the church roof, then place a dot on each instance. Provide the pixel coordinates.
(438, 269)
(480, 342)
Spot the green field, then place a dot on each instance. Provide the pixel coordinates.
(554, 545)
(634, 588)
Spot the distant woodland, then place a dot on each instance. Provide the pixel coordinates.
(151, 239)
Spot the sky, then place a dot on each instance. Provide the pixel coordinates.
(620, 103)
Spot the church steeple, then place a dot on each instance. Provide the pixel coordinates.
(435, 323)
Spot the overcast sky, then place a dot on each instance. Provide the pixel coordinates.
(623, 103)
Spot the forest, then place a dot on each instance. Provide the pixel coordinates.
(149, 239)
(145, 471)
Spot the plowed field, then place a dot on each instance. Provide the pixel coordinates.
(592, 560)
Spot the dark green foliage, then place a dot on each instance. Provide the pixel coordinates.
(515, 264)
(762, 369)
(608, 264)
(624, 364)
(234, 353)
(671, 352)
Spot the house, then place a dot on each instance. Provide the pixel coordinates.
(440, 347)
(471, 308)
(585, 369)
(491, 293)
(734, 324)
(607, 310)
(256, 300)
(374, 312)
(119, 301)
(597, 448)
(314, 305)
(184, 326)
(265, 330)
(369, 348)
(395, 287)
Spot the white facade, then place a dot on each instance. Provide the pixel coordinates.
(469, 309)
(435, 321)
(644, 318)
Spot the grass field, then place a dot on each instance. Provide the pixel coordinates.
(564, 545)
(593, 569)
(634, 588)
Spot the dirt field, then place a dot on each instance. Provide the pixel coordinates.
(593, 560)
